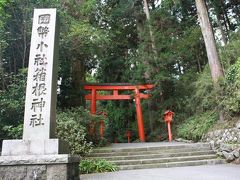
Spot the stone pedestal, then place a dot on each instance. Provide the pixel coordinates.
(37, 159)
(34, 147)
(41, 167)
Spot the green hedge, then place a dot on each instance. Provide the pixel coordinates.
(195, 127)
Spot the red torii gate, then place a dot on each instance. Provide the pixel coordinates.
(116, 87)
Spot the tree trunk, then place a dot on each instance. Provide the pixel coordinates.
(236, 6)
(1, 70)
(199, 65)
(225, 25)
(210, 43)
(24, 31)
(146, 8)
(14, 62)
(226, 15)
(224, 38)
(78, 78)
(140, 19)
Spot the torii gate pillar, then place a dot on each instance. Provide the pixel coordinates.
(139, 116)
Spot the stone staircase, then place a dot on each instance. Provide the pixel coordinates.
(157, 155)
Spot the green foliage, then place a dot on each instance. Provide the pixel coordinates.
(17, 17)
(121, 117)
(230, 100)
(88, 7)
(204, 97)
(14, 132)
(88, 166)
(12, 99)
(230, 97)
(12, 105)
(230, 52)
(196, 126)
(4, 16)
(112, 38)
(71, 127)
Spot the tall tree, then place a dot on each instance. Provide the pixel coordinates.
(146, 10)
(210, 43)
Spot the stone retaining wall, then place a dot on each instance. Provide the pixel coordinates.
(226, 142)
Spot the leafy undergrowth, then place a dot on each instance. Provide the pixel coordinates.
(88, 166)
(195, 127)
(229, 122)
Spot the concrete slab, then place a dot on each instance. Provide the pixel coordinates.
(208, 172)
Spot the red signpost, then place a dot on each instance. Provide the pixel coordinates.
(128, 134)
(115, 88)
(168, 115)
(101, 124)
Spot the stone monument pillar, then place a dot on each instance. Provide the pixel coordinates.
(39, 155)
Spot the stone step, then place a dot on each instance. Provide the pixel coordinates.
(146, 152)
(172, 164)
(157, 155)
(163, 160)
(153, 148)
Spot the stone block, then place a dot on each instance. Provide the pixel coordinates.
(238, 125)
(225, 147)
(13, 172)
(228, 156)
(38, 159)
(57, 171)
(34, 147)
(41, 167)
(36, 172)
(236, 153)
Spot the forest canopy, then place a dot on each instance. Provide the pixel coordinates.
(128, 41)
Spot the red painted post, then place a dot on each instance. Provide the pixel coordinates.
(139, 116)
(128, 136)
(93, 101)
(91, 128)
(101, 131)
(169, 131)
(168, 115)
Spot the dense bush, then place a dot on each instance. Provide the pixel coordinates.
(71, 127)
(14, 132)
(230, 99)
(121, 116)
(88, 166)
(230, 52)
(204, 97)
(196, 126)
(12, 100)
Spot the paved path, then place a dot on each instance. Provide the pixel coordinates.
(208, 172)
